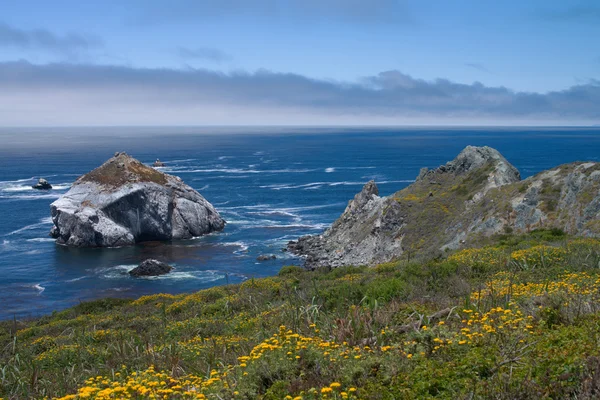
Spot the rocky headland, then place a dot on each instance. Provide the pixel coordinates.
(476, 195)
(123, 202)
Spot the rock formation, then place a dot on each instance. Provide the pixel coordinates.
(266, 257)
(42, 184)
(151, 267)
(123, 202)
(476, 195)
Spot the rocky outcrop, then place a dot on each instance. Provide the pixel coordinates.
(150, 267)
(42, 184)
(478, 194)
(266, 257)
(123, 202)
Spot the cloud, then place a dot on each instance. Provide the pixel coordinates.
(345, 11)
(203, 53)
(478, 66)
(124, 95)
(42, 39)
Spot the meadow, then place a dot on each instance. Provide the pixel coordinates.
(517, 318)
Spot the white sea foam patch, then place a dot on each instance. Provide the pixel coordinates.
(31, 196)
(274, 212)
(117, 272)
(241, 246)
(294, 226)
(36, 286)
(202, 276)
(246, 171)
(204, 187)
(41, 240)
(318, 185)
(76, 279)
(256, 206)
(329, 170)
(43, 221)
(15, 188)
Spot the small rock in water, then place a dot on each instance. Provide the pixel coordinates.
(151, 267)
(266, 257)
(158, 163)
(42, 184)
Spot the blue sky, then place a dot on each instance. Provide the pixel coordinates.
(194, 62)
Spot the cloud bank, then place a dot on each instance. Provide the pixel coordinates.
(66, 94)
(42, 39)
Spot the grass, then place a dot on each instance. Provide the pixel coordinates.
(516, 319)
(122, 170)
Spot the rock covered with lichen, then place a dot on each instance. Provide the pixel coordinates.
(123, 202)
(476, 195)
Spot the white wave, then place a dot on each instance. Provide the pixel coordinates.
(182, 160)
(18, 180)
(294, 226)
(246, 171)
(61, 186)
(243, 247)
(308, 208)
(256, 206)
(116, 272)
(314, 187)
(17, 188)
(274, 212)
(76, 279)
(32, 197)
(288, 186)
(329, 170)
(26, 188)
(37, 286)
(43, 221)
(41, 240)
(203, 276)
(204, 187)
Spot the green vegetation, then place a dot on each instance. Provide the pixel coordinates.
(123, 170)
(516, 319)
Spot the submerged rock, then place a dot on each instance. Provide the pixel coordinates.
(42, 184)
(476, 195)
(266, 257)
(123, 202)
(151, 267)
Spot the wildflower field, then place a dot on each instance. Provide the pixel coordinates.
(517, 319)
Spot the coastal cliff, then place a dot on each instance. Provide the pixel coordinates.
(478, 194)
(123, 202)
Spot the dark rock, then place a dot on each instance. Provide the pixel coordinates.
(123, 202)
(266, 257)
(158, 163)
(42, 184)
(151, 267)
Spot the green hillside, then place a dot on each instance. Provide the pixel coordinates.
(517, 319)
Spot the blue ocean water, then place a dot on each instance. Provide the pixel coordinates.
(271, 185)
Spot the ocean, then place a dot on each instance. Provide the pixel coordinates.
(271, 185)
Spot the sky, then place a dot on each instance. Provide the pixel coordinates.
(309, 62)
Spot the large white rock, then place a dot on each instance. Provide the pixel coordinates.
(123, 202)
